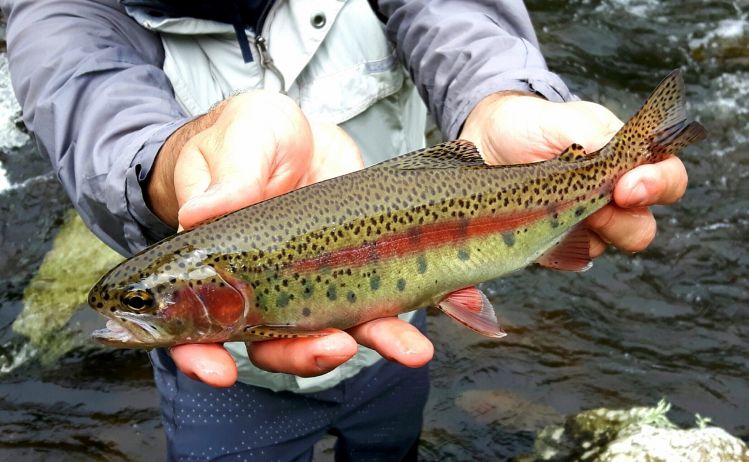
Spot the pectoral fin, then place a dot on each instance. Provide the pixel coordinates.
(471, 308)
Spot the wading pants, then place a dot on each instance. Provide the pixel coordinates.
(376, 415)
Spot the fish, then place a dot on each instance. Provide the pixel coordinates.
(419, 230)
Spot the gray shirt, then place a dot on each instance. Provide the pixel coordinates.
(90, 83)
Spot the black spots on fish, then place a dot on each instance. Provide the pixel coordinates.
(112, 309)
(351, 297)
(508, 238)
(421, 264)
(400, 285)
(579, 211)
(308, 290)
(331, 292)
(306, 312)
(464, 254)
(374, 282)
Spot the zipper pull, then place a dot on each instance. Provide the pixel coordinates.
(266, 60)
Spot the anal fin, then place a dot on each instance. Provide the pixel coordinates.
(471, 308)
(571, 254)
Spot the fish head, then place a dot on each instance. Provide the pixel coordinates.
(161, 298)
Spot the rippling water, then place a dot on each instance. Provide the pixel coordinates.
(671, 322)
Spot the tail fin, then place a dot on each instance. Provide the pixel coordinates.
(661, 124)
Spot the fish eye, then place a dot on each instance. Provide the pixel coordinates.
(138, 299)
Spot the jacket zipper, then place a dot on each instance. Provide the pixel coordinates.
(266, 60)
(261, 44)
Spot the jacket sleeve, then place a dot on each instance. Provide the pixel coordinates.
(460, 51)
(90, 83)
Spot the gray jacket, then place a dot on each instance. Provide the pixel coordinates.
(93, 92)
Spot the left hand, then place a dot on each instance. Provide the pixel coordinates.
(510, 128)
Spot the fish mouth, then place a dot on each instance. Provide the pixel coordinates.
(116, 335)
(138, 333)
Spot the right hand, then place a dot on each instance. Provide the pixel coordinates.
(252, 147)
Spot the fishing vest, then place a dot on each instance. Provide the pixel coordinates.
(333, 58)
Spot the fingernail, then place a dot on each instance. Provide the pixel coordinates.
(638, 195)
(411, 343)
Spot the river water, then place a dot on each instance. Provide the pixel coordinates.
(671, 322)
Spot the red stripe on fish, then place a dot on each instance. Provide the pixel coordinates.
(426, 236)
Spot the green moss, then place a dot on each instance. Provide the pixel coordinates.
(75, 262)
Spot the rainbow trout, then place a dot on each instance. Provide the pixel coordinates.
(419, 230)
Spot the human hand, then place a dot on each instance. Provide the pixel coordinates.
(254, 146)
(519, 128)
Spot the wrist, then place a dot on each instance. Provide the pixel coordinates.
(160, 194)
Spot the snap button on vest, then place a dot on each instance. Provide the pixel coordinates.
(318, 21)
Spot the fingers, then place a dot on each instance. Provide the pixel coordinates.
(628, 224)
(209, 362)
(393, 338)
(631, 230)
(305, 357)
(662, 183)
(396, 340)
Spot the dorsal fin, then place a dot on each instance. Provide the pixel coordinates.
(451, 154)
(572, 153)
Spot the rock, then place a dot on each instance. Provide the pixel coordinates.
(75, 262)
(637, 434)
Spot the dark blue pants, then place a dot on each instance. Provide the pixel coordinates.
(376, 415)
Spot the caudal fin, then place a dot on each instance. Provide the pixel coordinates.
(660, 126)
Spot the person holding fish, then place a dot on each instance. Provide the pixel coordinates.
(136, 103)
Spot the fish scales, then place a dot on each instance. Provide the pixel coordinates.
(397, 236)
